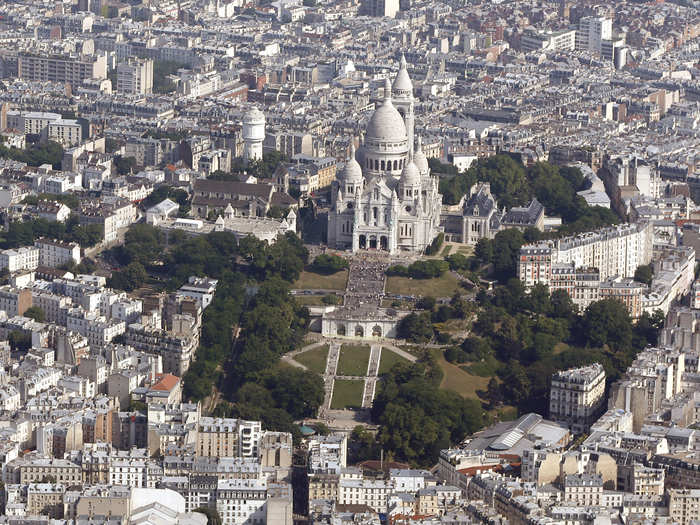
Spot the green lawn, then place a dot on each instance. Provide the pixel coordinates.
(309, 280)
(353, 360)
(446, 250)
(443, 286)
(458, 380)
(347, 393)
(388, 360)
(314, 359)
(316, 300)
(309, 300)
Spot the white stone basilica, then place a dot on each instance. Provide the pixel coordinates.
(385, 198)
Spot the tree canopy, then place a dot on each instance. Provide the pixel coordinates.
(329, 264)
(36, 154)
(513, 184)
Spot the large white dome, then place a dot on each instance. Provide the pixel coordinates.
(386, 124)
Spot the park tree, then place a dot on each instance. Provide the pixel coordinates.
(328, 264)
(213, 517)
(483, 251)
(129, 278)
(493, 393)
(124, 165)
(426, 303)
(538, 300)
(416, 328)
(506, 249)
(561, 304)
(36, 313)
(607, 322)
(644, 274)
(516, 383)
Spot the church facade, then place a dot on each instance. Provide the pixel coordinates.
(385, 197)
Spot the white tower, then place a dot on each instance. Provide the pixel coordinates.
(253, 135)
(402, 93)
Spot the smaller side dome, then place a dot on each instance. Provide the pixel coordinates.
(420, 159)
(410, 176)
(352, 172)
(403, 87)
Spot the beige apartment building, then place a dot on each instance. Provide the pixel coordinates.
(227, 437)
(576, 397)
(61, 470)
(684, 505)
(70, 69)
(45, 499)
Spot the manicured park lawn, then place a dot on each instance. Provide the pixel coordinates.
(388, 360)
(457, 380)
(347, 393)
(443, 286)
(353, 360)
(309, 300)
(314, 359)
(309, 280)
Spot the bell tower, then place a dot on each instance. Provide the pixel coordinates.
(402, 92)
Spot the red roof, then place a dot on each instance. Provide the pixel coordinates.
(166, 382)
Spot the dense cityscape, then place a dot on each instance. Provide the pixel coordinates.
(372, 262)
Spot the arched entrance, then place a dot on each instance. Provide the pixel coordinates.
(359, 331)
(363, 242)
(377, 331)
(384, 243)
(340, 329)
(373, 242)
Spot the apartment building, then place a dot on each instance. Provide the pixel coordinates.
(97, 328)
(200, 289)
(582, 284)
(323, 169)
(576, 397)
(583, 489)
(135, 76)
(641, 480)
(591, 32)
(32, 122)
(373, 493)
(128, 471)
(54, 306)
(381, 8)
(112, 216)
(24, 258)
(45, 499)
(176, 346)
(66, 132)
(14, 301)
(62, 470)
(615, 252)
(146, 151)
(57, 253)
(532, 40)
(227, 437)
(53, 211)
(241, 501)
(64, 69)
(627, 291)
(684, 505)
